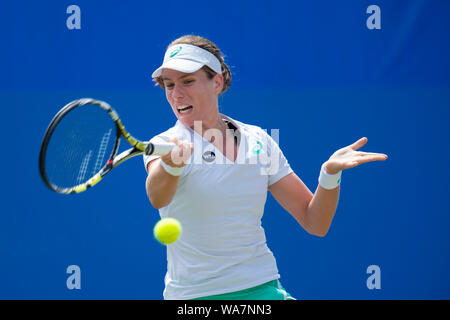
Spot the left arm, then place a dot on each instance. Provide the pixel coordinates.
(314, 212)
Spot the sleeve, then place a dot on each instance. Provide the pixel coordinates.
(278, 166)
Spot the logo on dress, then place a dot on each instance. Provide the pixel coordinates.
(209, 156)
(257, 148)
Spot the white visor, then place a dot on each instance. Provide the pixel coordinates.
(188, 58)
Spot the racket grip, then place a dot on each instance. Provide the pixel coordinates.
(159, 149)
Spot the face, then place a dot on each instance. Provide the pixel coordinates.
(193, 96)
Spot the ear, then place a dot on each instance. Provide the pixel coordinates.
(218, 83)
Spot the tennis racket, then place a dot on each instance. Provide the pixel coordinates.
(81, 146)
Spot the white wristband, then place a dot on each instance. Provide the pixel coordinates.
(174, 171)
(329, 181)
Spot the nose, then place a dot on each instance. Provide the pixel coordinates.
(177, 92)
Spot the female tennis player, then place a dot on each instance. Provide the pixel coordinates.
(215, 183)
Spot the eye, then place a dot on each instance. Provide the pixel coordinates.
(168, 85)
(189, 81)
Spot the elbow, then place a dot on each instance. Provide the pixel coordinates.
(157, 203)
(313, 228)
(320, 234)
(154, 201)
(157, 206)
(158, 200)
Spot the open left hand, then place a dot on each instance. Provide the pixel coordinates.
(349, 157)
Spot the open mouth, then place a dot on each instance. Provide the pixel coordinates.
(184, 109)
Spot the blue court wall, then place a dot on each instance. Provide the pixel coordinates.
(313, 70)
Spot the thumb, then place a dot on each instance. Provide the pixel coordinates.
(358, 144)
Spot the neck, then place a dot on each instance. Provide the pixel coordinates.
(213, 122)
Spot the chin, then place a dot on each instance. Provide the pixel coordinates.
(187, 122)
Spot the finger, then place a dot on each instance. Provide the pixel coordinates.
(378, 156)
(174, 140)
(182, 149)
(358, 144)
(176, 154)
(370, 158)
(186, 151)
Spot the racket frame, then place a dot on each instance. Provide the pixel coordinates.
(138, 147)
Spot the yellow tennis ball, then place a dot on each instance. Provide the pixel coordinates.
(167, 230)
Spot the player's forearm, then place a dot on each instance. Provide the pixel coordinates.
(160, 185)
(321, 210)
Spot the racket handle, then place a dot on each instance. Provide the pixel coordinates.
(159, 149)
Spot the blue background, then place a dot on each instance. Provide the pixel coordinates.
(311, 69)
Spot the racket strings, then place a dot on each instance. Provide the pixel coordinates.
(80, 146)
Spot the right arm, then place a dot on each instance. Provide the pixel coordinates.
(160, 185)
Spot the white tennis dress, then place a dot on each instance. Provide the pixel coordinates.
(220, 205)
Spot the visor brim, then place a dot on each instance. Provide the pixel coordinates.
(182, 65)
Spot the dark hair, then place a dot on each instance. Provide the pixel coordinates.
(207, 45)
